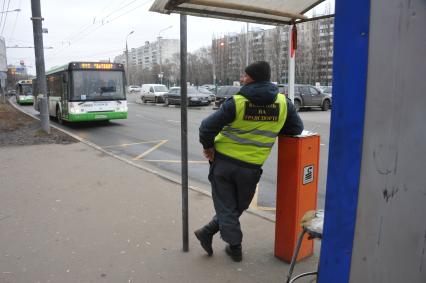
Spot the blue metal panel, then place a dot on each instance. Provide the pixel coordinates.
(346, 136)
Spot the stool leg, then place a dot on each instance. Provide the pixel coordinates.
(296, 252)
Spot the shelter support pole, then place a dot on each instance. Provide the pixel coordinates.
(291, 62)
(184, 128)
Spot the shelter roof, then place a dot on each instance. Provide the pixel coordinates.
(263, 12)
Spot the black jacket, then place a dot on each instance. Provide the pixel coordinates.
(259, 93)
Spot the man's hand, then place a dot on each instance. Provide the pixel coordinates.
(209, 154)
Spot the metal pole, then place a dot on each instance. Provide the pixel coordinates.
(247, 45)
(39, 60)
(159, 54)
(291, 64)
(127, 59)
(214, 69)
(184, 129)
(127, 64)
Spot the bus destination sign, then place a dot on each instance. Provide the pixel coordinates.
(103, 66)
(99, 66)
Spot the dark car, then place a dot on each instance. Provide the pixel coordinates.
(196, 96)
(307, 96)
(225, 92)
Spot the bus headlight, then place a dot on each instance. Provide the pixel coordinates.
(121, 107)
(72, 109)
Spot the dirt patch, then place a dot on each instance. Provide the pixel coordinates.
(17, 128)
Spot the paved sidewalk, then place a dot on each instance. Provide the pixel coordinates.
(70, 213)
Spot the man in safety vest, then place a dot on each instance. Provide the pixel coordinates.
(237, 139)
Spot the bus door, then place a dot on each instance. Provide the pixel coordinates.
(65, 93)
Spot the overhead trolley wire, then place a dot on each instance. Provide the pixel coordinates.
(1, 19)
(121, 8)
(5, 17)
(112, 20)
(100, 25)
(16, 18)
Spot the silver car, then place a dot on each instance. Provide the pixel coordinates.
(153, 92)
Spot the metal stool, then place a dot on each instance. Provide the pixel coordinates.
(312, 223)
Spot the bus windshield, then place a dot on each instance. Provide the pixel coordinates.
(27, 90)
(98, 85)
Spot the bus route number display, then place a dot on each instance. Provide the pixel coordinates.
(261, 113)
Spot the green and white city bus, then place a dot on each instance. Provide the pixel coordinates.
(24, 92)
(86, 91)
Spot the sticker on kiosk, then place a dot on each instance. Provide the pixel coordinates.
(308, 174)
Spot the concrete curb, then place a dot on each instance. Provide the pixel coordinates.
(260, 214)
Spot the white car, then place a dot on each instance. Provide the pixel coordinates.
(153, 92)
(133, 88)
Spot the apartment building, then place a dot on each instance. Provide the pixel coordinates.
(149, 55)
(314, 54)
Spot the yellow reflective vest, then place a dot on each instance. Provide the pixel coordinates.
(252, 134)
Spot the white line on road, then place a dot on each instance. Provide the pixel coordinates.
(173, 121)
(150, 150)
(177, 161)
(129, 144)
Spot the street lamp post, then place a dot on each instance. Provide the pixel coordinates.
(160, 75)
(127, 58)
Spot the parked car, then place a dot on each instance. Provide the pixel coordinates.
(153, 92)
(225, 92)
(11, 92)
(212, 96)
(307, 96)
(133, 88)
(210, 87)
(196, 96)
(326, 89)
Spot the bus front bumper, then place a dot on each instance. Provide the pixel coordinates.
(26, 101)
(98, 116)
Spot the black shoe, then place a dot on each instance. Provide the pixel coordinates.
(205, 236)
(234, 252)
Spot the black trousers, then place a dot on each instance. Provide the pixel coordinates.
(233, 188)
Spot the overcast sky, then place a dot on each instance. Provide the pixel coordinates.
(76, 31)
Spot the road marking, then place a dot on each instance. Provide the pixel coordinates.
(253, 204)
(129, 144)
(150, 150)
(138, 115)
(173, 121)
(178, 161)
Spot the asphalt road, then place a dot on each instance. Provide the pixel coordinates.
(151, 136)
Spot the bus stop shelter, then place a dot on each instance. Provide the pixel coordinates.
(374, 227)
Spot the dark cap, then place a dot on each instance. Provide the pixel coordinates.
(259, 71)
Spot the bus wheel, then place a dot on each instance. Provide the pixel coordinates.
(59, 116)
